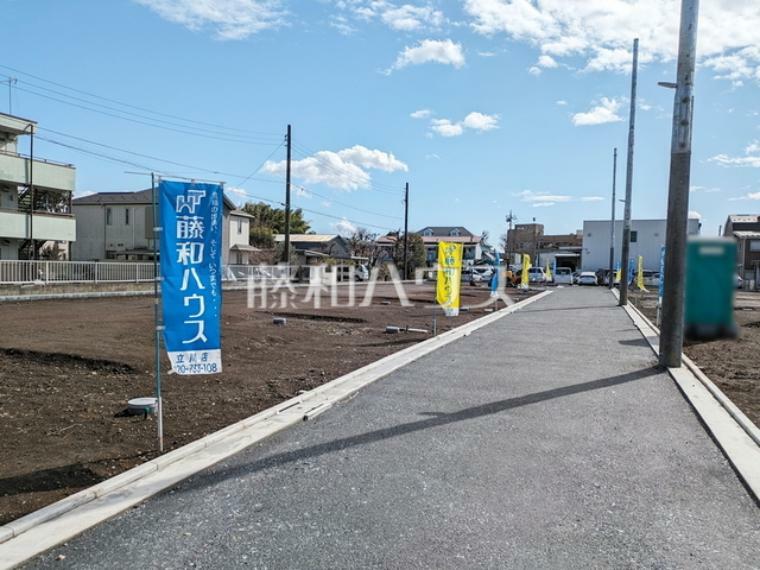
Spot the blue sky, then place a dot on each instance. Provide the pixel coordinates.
(518, 103)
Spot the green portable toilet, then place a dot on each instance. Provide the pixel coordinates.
(710, 286)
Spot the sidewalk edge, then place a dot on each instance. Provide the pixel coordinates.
(734, 433)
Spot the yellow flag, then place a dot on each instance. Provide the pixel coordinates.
(525, 277)
(449, 277)
(640, 274)
(548, 271)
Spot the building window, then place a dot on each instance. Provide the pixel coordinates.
(454, 233)
(126, 216)
(109, 216)
(240, 226)
(754, 245)
(427, 232)
(634, 237)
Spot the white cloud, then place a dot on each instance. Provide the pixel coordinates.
(534, 70)
(409, 18)
(481, 121)
(228, 19)
(747, 196)
(545, 199)
(487, 54)
(562, 103)
(432, 156)
(542, 199)
(547, 62)
(342, 24)
(446, 128)
(475, 121)
(751, 158)
(445, 52)
(421, 114)
(345, 228)
(704, 189)
(346, 169)
(600, 31)
(604, 112)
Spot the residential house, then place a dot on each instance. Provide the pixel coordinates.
(119, 226)
(313, 249)
(472, 250)
(35, 197)
(647, 239)
(745, 228)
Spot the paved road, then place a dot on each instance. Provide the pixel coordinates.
(546, 440)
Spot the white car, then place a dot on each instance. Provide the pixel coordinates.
(588, 278)
(536, 275)
(470, 276)
(563, 276)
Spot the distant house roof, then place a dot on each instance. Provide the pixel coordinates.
(743, 218)
(445, 231)
(306, 238)
(127, 197)
(241, 214)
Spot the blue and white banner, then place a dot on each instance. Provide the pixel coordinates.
(191, 288)
(661, 289)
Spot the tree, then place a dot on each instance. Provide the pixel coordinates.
(363, 244)
(268, 221)
(416, 255)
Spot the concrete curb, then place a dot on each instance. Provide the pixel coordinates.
(41, 530)
(734, 433)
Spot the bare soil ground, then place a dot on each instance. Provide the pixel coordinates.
(733, 364)
(67, 369)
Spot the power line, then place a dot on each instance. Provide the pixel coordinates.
(116, 109)
(197, 134)
(159, 113)
(141, 155)
(169, 174)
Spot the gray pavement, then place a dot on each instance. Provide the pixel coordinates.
(545, 440)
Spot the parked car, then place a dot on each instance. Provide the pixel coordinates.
(361, 273)
(563, 276)
(588, 278)
(651, 278)
(485, 271)
(576, 277)
(536, 275)
(471, 277)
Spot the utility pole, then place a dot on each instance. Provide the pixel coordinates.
(11, 81)
(32, 192)
(611, 277)
(286, 249)
(508, 249)
(406, 230)
(671, 333)
(629, 183)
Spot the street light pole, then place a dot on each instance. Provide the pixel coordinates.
(671, 333)
(611, 275)
(629, 182)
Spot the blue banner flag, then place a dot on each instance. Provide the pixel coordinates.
(661, 289)
(191, 270)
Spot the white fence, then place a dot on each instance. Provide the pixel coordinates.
(25, 271)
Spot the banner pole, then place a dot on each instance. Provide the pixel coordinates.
(157, 315)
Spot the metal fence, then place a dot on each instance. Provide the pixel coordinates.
(26, 271)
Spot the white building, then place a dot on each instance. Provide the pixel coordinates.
(647, 238)
(119, 226)
(35, 197)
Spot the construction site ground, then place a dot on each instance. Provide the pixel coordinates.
(733, 364)
(68, 368)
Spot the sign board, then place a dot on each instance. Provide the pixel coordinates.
(191, 291)
(449, 277)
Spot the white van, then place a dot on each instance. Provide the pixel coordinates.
(563, 276)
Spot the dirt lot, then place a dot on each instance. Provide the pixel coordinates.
(69, 367)
(733, 364)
